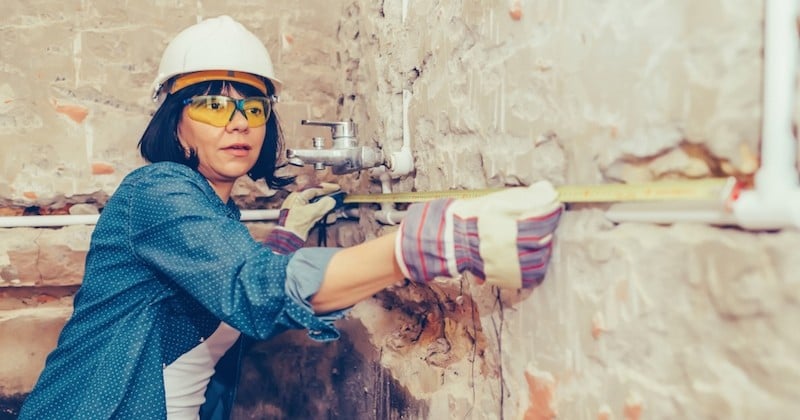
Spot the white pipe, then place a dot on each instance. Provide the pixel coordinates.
(775, 201)
(259, 215)
(708, 212)
(347, 213)
(778, 171)
(401, 163)
(406, 127)
(91, 219)
(48, 221)
(388, 215)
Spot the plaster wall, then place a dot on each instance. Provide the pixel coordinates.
(634, 320)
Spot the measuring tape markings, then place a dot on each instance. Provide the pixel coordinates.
(701, 189)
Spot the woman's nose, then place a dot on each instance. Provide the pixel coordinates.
(238, 120)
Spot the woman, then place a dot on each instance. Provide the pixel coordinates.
(173, 280)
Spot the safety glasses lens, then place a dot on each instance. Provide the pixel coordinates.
(256, 110)
(218, 110)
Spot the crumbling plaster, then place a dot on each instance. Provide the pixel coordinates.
(634, 321)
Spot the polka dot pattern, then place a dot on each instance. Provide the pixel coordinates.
(168, 261)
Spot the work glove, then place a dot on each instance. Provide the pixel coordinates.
(503, 238)
(298, 215)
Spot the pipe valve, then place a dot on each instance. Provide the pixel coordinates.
(343, 156)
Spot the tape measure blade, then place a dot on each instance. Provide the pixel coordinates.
(416, 196)
(703, 189)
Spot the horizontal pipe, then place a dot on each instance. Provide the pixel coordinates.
(48, 221)
(91, 219)
(260, 215)
(390, 216)
(666, 212)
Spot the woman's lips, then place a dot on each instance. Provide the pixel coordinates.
(239, 150)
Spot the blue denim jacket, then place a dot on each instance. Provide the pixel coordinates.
(168, 261)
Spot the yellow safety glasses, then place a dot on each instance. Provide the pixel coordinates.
(218, 110)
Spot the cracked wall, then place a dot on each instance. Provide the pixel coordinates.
(634, 320)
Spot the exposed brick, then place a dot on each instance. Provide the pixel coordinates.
(11, 211)
(516, 10)
(76, 113)
(102, 168)
(53, 265)
(541, 390)
(633, 407)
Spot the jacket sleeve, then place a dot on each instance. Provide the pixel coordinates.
(194, 242)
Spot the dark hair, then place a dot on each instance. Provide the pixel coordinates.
(160, 143)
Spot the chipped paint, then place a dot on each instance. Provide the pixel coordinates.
(541, 392)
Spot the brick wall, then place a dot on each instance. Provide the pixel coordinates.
(634, 321)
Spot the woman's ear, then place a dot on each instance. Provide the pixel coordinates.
(179, 138)
(187, 150)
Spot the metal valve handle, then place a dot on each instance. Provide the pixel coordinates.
(338, 128)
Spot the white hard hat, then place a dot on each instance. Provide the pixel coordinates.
(219, 43)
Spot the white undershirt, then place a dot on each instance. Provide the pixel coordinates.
(186, 379)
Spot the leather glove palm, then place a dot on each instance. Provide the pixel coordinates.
(503, 238)
(298, 215)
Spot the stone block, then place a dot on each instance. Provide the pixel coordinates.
(28, 335)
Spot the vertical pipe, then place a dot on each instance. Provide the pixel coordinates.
(406, 130)
(775, 201)
(778, 170)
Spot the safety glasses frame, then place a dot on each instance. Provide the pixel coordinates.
(218, 118)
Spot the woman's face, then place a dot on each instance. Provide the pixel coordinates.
(225, 153)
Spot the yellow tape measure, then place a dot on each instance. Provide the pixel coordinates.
(702, 189)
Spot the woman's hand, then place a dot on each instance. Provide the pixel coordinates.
(298, 215)
(503, 238)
